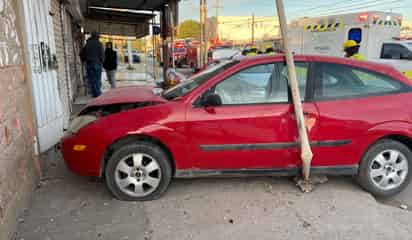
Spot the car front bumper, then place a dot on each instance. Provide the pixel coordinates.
(85, 162)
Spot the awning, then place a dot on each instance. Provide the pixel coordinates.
(149, 5)
(120, 17)
(118, 22)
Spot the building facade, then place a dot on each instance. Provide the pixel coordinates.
(244, 29)
(406, 30)
(19, 167)
(40, 74)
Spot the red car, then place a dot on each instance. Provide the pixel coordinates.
(236, 118)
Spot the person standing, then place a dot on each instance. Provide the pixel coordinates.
(351, 49)
(93, 55)
(110, 64)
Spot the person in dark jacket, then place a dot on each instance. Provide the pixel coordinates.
(110, 64)
(93, 55)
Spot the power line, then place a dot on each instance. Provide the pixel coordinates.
(359, 7)
(321, 6)
(249, 19)
(350, 7)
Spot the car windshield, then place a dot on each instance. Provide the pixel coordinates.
(197, 80)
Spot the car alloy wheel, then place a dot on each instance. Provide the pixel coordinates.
(389, 169)
(138, 175)
(139, 171)
(384, 168)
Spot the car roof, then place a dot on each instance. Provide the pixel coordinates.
(373, 66)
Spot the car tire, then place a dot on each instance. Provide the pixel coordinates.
(138, 172)
(385, 169)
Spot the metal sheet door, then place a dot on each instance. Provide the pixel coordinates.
(40, 41)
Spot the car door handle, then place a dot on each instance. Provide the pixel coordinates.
(306, 113)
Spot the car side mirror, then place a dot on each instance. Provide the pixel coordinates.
(212, 100)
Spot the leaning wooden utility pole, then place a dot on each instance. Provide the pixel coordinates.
(306, 152)
(201, 32)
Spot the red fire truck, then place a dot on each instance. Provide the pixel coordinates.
(193, 53)
(179, 53)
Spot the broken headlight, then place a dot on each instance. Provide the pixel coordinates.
(81, 122)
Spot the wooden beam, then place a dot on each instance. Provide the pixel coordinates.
(306, 152)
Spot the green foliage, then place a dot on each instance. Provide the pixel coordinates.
(189, 29)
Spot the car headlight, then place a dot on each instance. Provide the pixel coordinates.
(80, 122)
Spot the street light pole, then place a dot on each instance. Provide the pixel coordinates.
(253, 29)
(205, 31)
(306, 152)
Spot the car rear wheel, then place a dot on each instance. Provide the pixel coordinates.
(138, 172)
(384, 169)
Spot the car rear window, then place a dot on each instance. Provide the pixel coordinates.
(334, 81)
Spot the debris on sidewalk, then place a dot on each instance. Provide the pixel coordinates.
(306, 224)
(403, 207)
(46, 180)
(309, 186)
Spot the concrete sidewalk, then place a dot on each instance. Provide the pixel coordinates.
(69, 207)
(140, 75)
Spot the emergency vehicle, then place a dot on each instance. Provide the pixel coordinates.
(217, 51)
(193, 55)
(378, 34)
(179, 53)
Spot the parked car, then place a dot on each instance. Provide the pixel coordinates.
(236, 118)
(221, 54)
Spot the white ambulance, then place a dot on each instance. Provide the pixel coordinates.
(378, 34)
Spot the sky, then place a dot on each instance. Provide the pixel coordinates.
(189, 9)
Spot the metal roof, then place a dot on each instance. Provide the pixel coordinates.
(118, 22)
(120, 17)
(149, 5)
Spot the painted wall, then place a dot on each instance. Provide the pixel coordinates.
(18, 173)
(239, 28)
(406, 30)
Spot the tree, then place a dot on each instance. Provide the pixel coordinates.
(189, 29)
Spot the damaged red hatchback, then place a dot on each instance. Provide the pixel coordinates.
(236, 118)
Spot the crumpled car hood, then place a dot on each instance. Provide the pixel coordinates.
(136, 94)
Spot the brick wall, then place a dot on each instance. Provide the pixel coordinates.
(70, 53)
(67, 51)
(18, 173)
(64, 88)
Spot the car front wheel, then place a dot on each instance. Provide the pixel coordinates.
(138, 172)
(384, 169)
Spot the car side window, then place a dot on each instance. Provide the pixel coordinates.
(394, 51)
(254, 85)
(302, 69)
(334, 81)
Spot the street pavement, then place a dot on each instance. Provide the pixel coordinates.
(70, 207)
